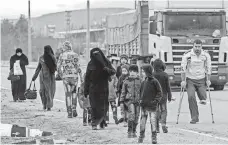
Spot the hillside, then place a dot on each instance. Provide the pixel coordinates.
(78, 18)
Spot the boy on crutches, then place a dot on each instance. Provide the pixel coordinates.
(196, 71)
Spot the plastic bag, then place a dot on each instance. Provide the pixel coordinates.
(17, 68)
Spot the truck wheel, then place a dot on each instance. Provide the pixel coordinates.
(218, 87)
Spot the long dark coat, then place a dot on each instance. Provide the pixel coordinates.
(47, 83)
(19, 87)
(97, 86)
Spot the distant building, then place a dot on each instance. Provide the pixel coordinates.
(49, 30)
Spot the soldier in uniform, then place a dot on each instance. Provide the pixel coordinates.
(68, 67)
(196, 71)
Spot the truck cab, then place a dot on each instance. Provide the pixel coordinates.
(173, 31)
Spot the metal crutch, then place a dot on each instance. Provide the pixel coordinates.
(181, 99)
(209, 94)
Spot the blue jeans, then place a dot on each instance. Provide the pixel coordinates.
(144, 116)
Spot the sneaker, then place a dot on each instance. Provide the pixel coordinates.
(84, 124)
(94, 127)
(75, 114)
(102, 127)
(203, 102)
(140, 140)
(48, 109)
(193, 121)
(134, 135)
(154, 138)
(130, 135)
(165, 129)
(116, 121)
(120, 120)
(69, 115)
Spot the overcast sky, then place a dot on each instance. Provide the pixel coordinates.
(13, 8)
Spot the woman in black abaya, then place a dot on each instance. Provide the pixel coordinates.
(98, 73)
(19, 87)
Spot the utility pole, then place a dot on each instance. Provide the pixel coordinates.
(88, 31)
(68, 22)
(135, 4)
(29, 34)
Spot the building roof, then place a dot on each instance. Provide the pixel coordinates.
(80, 31)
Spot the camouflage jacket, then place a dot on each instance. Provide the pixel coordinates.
(68, 65)
(131, 90)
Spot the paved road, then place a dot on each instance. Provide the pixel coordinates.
(203, 132)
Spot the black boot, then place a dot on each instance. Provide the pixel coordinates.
(120, 120)
(134, 129)
(89, 115)
(130, 129)
(154, 137)
(157, 126)
(69, 111)
(141, 137)
(165, 129)
(102, 124)
(84, 117)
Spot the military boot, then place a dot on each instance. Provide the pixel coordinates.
(154, 137)
(84, 117)
(141, 136)
(69, 111)
(130, 129)
(157, 126)
(134, 130)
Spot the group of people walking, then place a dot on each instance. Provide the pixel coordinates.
(106, 83)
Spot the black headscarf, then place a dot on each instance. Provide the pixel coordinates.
(49, 58)
(148, 69)
(18, 50)
(98, 59)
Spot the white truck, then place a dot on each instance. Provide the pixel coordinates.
(173, 30)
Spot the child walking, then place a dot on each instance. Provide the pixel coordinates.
(130, 96)
(112, 99)
(123, 111)
(163, 79)
(84, 104)
(150, 95)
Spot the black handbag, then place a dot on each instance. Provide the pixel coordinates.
(13, 77)
(31, 94)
